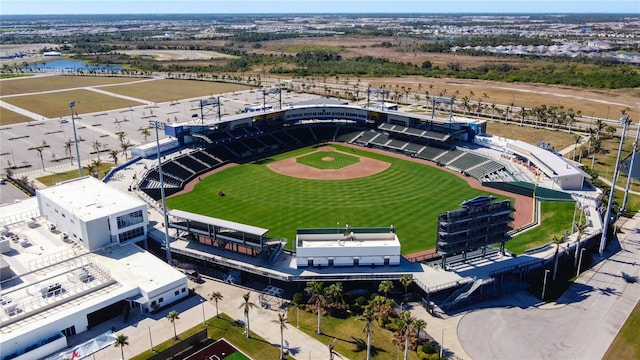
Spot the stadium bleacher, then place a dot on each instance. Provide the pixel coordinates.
(206, 158)
(366, 137)
(301, 133)
(466, 161)
(324, 133)
(449, 156)
(430, 153)
(191, 163)
(414, 148)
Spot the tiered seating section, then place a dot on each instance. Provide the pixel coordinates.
(245, 144)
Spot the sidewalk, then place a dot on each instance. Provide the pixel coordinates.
(143, 331)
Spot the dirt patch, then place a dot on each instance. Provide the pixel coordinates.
(327, 158)
(366, 167)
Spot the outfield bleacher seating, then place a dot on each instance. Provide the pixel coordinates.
(467, 161)
(430, 153)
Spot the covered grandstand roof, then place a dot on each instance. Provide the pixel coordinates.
(248, 229)
(321, 101)
(554, 163)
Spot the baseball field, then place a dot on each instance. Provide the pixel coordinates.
(404, 194)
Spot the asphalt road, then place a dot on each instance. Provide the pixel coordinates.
(580, 325)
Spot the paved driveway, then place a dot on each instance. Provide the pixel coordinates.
(580, 325)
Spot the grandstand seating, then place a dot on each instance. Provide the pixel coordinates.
(206, 158)
(366, 137)
(347, 134)
(302, 134)
(191, 163)
(324, 133)
(284, 138)
(237, 148)
(269, 140)
(466, 161)
(449, 156)
(430, 153)
(380, 140)
(414, 148)
(176, 170)
(396, 144)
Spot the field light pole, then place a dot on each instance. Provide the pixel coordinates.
(150, 340)
(544, 283)
(75, 137)
(157, 124)
(633, 160)
(603, 241)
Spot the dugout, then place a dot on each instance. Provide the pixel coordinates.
(223, 234)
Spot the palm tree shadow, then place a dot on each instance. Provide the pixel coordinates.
(361, 345)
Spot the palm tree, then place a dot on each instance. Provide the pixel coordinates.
(282, 321)
(419, 325)
(39, 149)
(576, 141)
(122, 340)
(113, 154)
(318, 298)
(406, 325)
(381, 305)
(368, 316)
(67, 149)
(125, 146)
(385, 287)
(331, 348)
(91, 168)
(173, 315)
(96, 146)
(216, 296)
(334, 293)
(121, 135)
(97, 165)
(246, 306)
(406, 281)
(145, 132)
(581, 228)
(557, 241)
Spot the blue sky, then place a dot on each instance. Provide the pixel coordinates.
(30, 7)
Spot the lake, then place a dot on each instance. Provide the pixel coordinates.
(70, 65)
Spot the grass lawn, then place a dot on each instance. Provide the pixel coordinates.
(223, 327)
(8, 117)
(54, 105)
(555, 218)
(559, 139)
(351, 341)
(328, 160)
(48, 83)
(626, 345)
(71, 174)
(407, 195)
(170, 90)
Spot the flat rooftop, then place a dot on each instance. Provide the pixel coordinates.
(54, 278)
(88, 198)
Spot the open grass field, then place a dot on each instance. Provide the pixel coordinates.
(58, 82)
(72, 174)
(54, 105)
(223, 327)
(8, 117)
(170, 90)
(407, 195)
(350, 340)
(559, 139)
(555, 219)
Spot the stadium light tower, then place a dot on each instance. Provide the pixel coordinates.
(75, 137)
(603, 240)
(156, 125)
(630, 170)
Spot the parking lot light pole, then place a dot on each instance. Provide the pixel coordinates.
(167, 244)
(544, 283)
(75, 137)
(204, 319)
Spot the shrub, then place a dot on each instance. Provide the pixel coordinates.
(298, 298)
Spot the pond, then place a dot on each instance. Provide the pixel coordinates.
(70, 65)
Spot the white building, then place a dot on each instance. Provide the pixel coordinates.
(347, 247)
(59, 286)
(93, 213)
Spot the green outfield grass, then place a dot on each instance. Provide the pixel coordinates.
(56, 104)
(170, 90)
(407, 195)
(328, 160)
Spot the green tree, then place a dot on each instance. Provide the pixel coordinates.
(125, 146)
(96, 146)
(145, 132)
(216, 296)
(282, 322)
(368, 316)
(385, 287)
(419, 325)
(121, 341)
(113, 154)
(334, 293)
(406, 322)
(173, 315)
(406, 281)
(246, 306)
(67, 150)
(318, 299)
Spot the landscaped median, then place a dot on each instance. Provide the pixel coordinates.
(224, 326)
